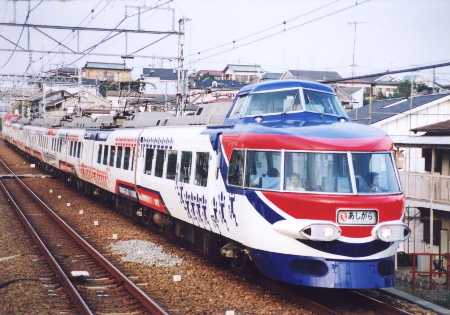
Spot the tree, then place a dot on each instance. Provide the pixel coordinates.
(404, 89)
(421, 87)
(205, 75)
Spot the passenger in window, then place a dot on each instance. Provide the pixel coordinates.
(273, 172)
(373, 180)
(294, 183)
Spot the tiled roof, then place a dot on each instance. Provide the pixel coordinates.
(272, 76)
(244, 68)
(315, 75)
(221, 84)
(106, 65)
(350, 90)
(440, 127)
(161, 73)
(216, 73)
(384, 109)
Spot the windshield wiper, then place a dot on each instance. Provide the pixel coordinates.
(292, 103)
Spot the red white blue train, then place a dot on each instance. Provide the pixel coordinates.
(281, 178)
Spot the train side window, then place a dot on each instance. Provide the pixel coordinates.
(171, 164)
(148, 161)
(119, 157)
(71, 148)
(105, 155)
(185, 167)
(75, 148)
(132, 158)
(126, 158)
(112, 153)
(201, 169)
(99, 153)
(236, 169)
(263, 169)
(159, 163)
(80, 148)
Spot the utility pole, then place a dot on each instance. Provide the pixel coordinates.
(181, 79)
(353, 62)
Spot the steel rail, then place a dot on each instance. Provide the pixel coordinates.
(379, 305)
(143, 298)
(68, 287)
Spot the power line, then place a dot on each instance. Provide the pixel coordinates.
(21, 32)
(438, 65)
(264, 30)
(284, 30)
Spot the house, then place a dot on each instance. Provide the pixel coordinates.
(216, 74)
(161, 81)
(398, 115)
(433, 87)
(426, 198)
(44, 102)
(319, 76)
(68, 72)
(243, 73)
(380, 86)
(271, 76)
(62, 103)
(104, 71)
(350, 97)
(427, 190)
(140, 102)
(210, 90)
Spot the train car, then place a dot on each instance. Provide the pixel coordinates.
(284, 181)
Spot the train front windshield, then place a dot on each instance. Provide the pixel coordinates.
(325, 172)
(289, 100)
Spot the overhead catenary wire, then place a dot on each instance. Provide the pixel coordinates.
(106, 38)
(265, 30)
(282, 31)
(20, 36)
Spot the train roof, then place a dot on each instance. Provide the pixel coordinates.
(284, 84)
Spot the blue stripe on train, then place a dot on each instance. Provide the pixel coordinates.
(326, 273)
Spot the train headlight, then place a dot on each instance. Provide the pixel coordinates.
(386, 232)
(314, 230)
(328, 232)
(391, 231)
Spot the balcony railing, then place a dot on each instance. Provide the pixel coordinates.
(426, 187)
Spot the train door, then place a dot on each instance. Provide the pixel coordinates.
(87, 159)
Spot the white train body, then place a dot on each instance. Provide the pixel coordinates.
(196, 181)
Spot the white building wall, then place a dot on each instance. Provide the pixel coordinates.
(157, 86)
(399, 126)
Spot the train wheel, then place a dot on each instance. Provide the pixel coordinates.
(242, 263)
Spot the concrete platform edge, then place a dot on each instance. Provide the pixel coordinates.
(414, 299)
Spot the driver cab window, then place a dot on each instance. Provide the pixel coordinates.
(272, 102)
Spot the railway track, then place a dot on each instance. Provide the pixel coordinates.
(309, 301)
(329, 301)
(88, 279)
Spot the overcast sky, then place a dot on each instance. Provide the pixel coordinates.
(316, 35)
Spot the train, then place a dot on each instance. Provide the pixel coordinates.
(280, 179)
